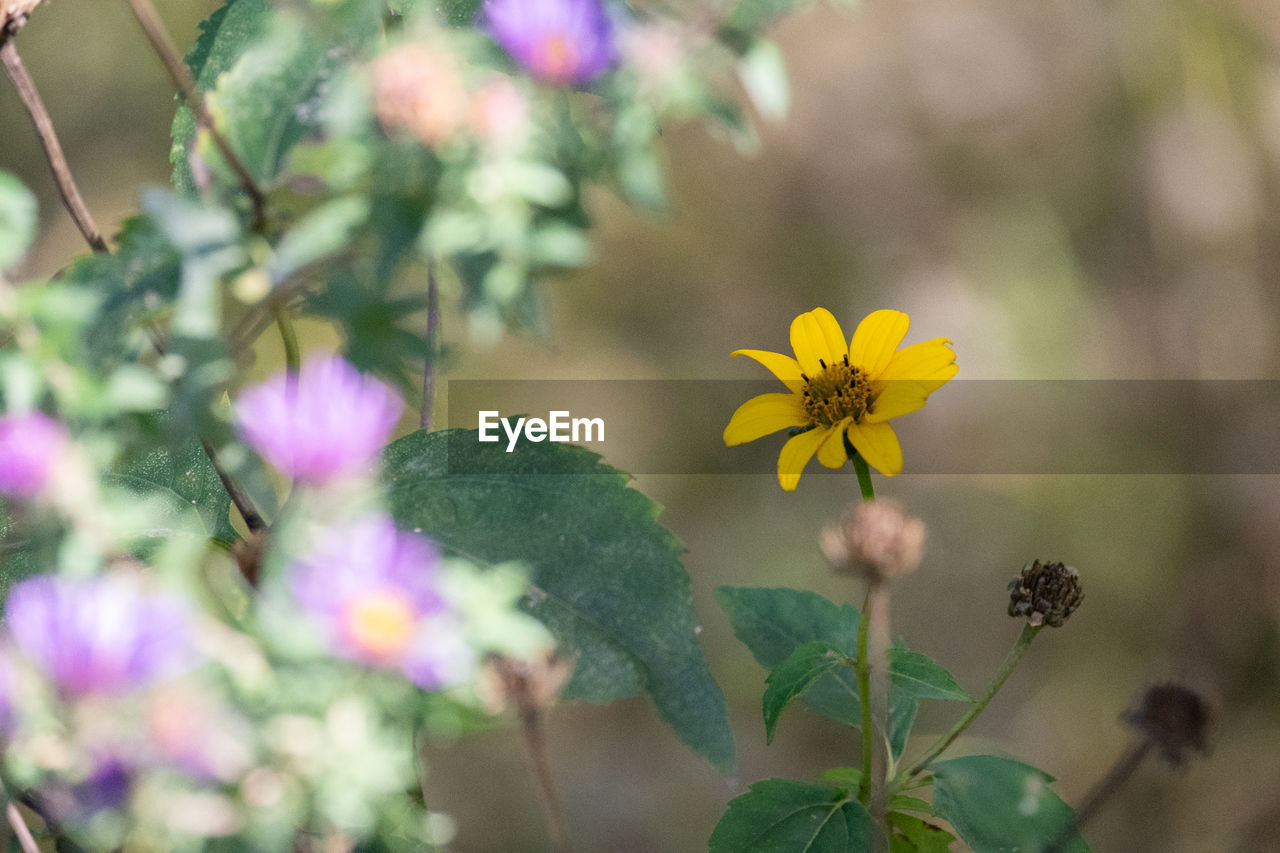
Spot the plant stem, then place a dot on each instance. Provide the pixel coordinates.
(864, 698)
(25, 839)
(289, 337)
(30, 97)
(1103, 792)
(876, 614)
(535, 747)
(1010, 663)
(248, 512)
(158, 36)
(433, 349)
(864, 476)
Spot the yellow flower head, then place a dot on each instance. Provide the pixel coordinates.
(840, 390)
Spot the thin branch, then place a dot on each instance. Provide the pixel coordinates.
(433, 348)
(156, 33)
(239, 497)
(535, 747)
(1103, 793)
(20, 829)
(30, 97)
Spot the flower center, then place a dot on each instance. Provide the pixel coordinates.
(840, 391)
(380, 624)
(556, 56)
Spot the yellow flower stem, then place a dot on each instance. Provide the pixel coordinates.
(864, 476)
(1010, 663)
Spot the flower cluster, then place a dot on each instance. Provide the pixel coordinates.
(30, 447)
(563, 42)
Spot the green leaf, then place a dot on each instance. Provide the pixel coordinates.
(794, 675)
(321, 233)
(920, 677)
(902, 716)
(773, 623)
(786, 815)
(185, 478)
(905, 802)
(17, 219)
(606, 577)
(848, 777)
(910, 834)
(997, 804)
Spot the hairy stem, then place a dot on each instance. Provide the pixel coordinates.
(158, 36)
(878, 633)
(31, 100)
(864, 698)
(433, 349)
(864, 476)
(1007, 667)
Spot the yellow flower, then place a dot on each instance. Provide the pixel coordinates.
(843, 390)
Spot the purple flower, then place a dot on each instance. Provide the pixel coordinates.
(30, 446)
(100, 635)
(565, 42)
(374, 590)
(327, 421)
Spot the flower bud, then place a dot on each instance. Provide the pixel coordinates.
(1172, 718)
(1045, 593)
(31, 447)
(875, 540)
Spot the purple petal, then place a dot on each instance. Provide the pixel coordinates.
(559, 41)
(29, 448)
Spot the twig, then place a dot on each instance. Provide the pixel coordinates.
(252, 519)
(1102, 793)
(30, 97)
(156, 33)
(535, 747)
(433, 349)
(20, 829)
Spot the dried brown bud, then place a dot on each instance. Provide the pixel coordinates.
(530, 684)
(876, 540)
(1174, 719)
(13, 14)
(1045, 593)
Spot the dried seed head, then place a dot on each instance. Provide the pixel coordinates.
(1045, 593)
(13, 14)
(532, 684)
(1174, 719)
(875, 540)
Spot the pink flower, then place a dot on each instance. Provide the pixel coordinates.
(372, 589)
(328, 421)
(565, 42)
(30, 447)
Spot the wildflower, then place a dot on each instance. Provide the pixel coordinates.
(1045, 593)
(1174, 719)
(875, 539)
(31, 446)
(327, 421)
(420, 90)
(374, 589)
(102, 635)
(564, 42)
(839, 391)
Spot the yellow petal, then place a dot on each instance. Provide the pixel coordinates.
(796, 453)
(876, 339)
(762, 415)
(932, 362)
(897, 398)
(816, 335)
(878, 444)
(782, 366)
(831, 453)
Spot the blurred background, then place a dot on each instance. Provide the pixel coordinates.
(1067, 190)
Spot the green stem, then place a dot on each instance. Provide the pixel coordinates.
(864, 698)
(292, 355)
(1002, 675)
(864, 476)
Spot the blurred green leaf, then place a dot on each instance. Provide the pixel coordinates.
(185, 477)
(17, 219)
(321, 233)
(785, 815)
(997, 804)
(910, 834)
(849, 777)
(763, 72)
(606, 577)
(902, 716)
(794, 675)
